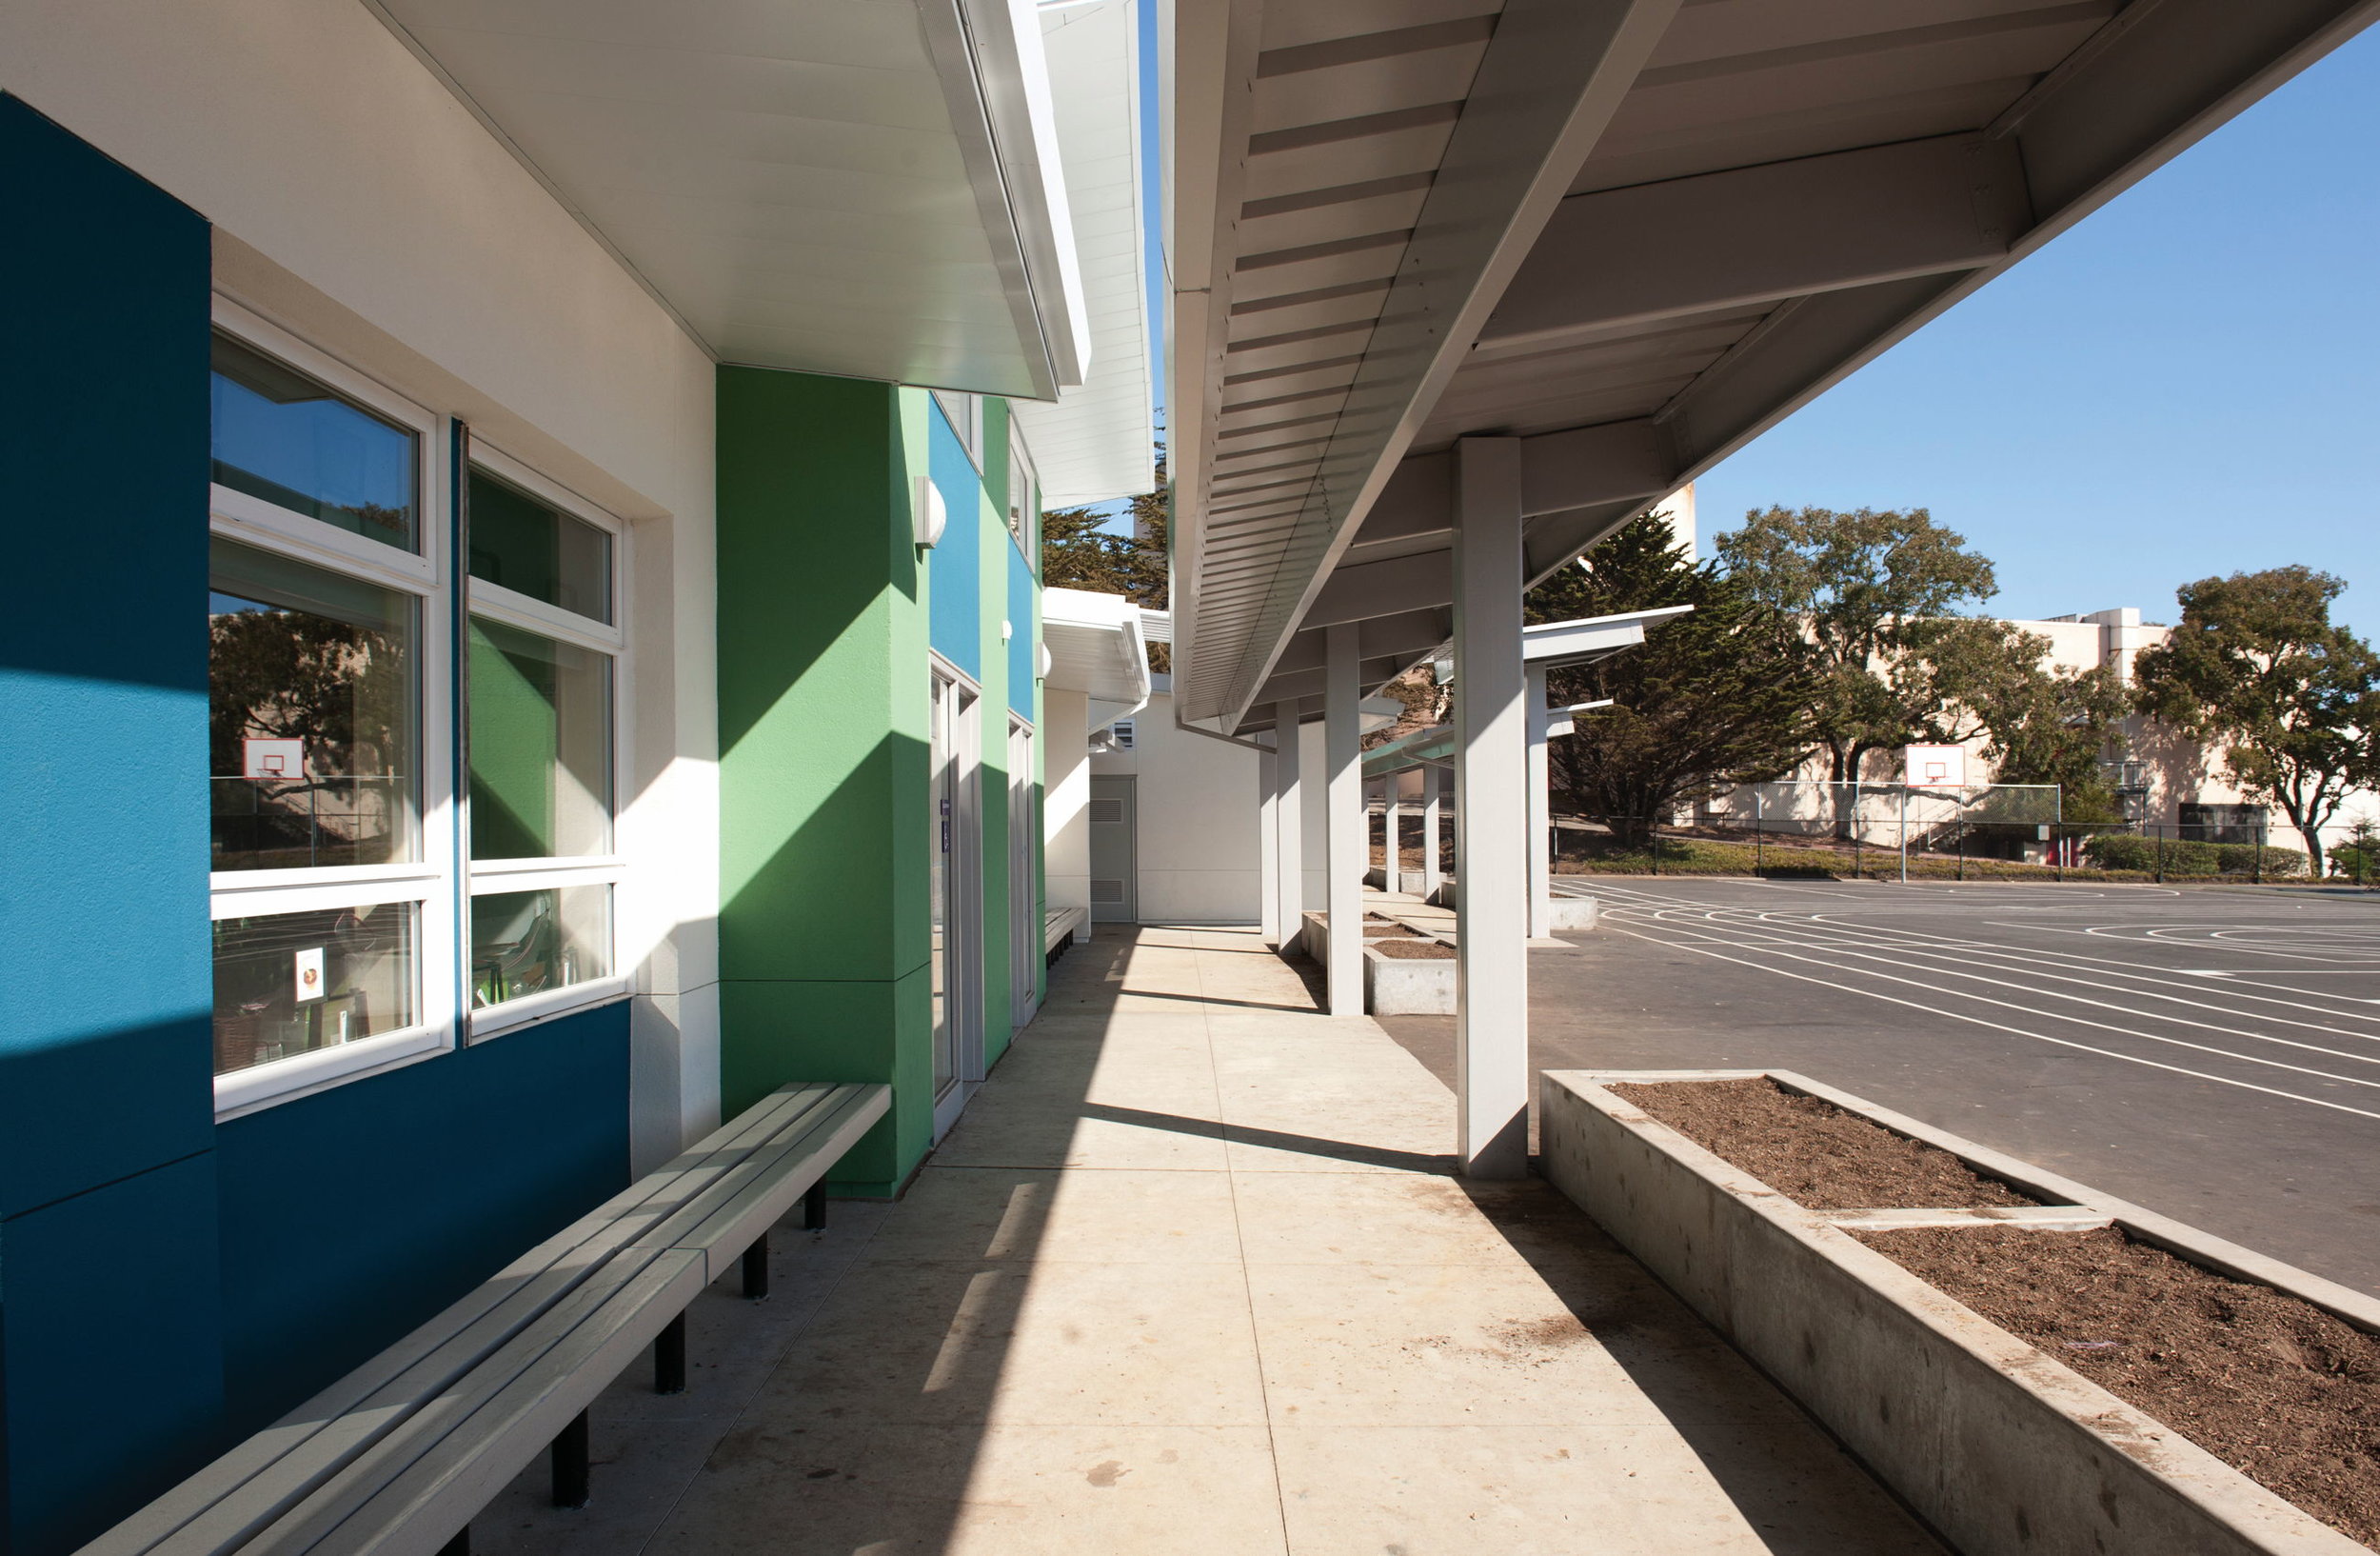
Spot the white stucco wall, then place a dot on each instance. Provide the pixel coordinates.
(359, 204)
(1065, 799)
(1196, 813)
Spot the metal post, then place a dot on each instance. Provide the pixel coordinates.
(1491, 810)
(1289, 821)
(2160, 853)
(460, 1545)
(1346, 824)
(1392, 868)
(1760, 839)
(1962, 850)
(1904, 835)
(814, 1206)
(569, 1464)
(669, 1357)
(1433, 787)
(1858, 838)
(1540, 810)
(756, 1268)
(1268, 850)
(2258, 876)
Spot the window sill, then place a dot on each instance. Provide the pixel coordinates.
(497, 1020)
(245, 1091)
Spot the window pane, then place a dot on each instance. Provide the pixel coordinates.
(290, 983)
(282, 437)
(527, 942)
(534, 548)
(310, 715)
(540, 746)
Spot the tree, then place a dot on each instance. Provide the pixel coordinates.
(2257, 665)
(1867, 600)
(1710, 697)
(1079, 551)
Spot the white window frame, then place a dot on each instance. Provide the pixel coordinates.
(1021, 463)
(493, 877)
(425, 881)
(963, 410)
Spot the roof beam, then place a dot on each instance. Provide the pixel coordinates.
(1632, 256)
(1552, 77)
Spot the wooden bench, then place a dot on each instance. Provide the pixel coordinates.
(1059, 928)
(396, 1457)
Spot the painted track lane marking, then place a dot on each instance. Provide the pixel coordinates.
(2051, 1016)
(2001, 1027)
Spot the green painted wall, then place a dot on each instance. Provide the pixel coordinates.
(825, 606)
(822, 769)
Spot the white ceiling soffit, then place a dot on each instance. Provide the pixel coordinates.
(865, 187)
(1778, 193)
(1096, 646)
(1095, 443)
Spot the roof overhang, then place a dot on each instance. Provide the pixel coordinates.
(1633, 236)
(1096, 443)
(866, 190)
(1096, 646)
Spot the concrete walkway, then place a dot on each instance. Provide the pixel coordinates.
(1191, 1276)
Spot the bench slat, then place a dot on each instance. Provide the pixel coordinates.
(272, 1470)
(301, 1526)
(560, 1321)
(726, 1218)
(433, 1498)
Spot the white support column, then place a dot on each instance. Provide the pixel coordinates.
(1289, 846)
(1267, 850)
(1394, 872)
(1540, 811)
(1433, 786)
(1490, 815)
(1346, 822)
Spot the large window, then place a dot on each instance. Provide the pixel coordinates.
(545, 647)
(330, 830)
(365, 911)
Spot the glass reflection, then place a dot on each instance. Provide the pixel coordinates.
(540, 746)
(282, 438)
(291, 983)
(310, 715)
(528, 942)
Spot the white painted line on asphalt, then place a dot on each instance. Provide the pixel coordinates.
(1777, 940)
(2018, 1031)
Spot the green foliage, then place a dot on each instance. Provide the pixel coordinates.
(1080, 551)
(2258, 665)
(2358, 858)
(1865, 599)
(1714, 696)
(2178, 857)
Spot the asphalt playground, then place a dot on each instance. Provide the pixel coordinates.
(2213, 1053)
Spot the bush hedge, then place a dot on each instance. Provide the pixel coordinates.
(2189, 856)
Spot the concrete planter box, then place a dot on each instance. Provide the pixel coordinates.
(1396, 986)
(1392, 985)
(2004, 1450)
(1575, 914)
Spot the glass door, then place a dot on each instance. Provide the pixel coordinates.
(942, 790)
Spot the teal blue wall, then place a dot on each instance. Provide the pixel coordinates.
(107, 1257)
(955, 568)
(167, 1284)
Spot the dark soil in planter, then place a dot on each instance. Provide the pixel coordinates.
(1812, 1151)
(2273, 1386)
(1414, 950)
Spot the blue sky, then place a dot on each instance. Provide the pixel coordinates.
(2179, 386)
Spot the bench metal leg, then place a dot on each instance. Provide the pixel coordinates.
(460, 1545)
(570, 1469)
(756, 1268)
(814, 1206)
(669, 1358)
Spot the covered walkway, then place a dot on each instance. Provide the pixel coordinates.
(1194, 1275)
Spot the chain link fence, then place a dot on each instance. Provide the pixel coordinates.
(1897, 832)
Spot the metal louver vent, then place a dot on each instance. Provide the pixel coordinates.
(1107, 890)
(1107, 811)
